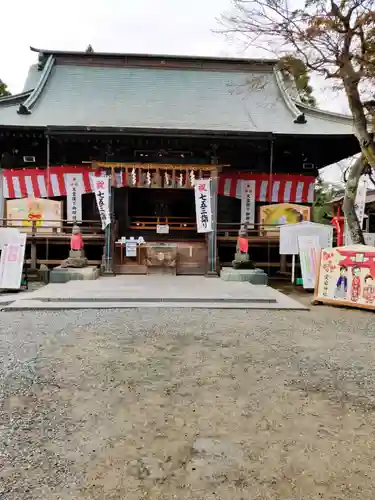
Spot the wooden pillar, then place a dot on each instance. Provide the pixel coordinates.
(212, 268)
(108, 267)
(33, 254)
(126, 209)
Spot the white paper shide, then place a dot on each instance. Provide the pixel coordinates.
(248, 203)
(101, 189)
(73, 199)
(203, 205)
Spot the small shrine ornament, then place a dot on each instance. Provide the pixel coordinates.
(166, 179)
(134, 177)
(192, 177)
(181, 180)
(148, 178)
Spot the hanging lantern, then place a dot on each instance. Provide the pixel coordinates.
(166, 179)
(192, 177)
(134, 177)
(181, 180)
(148, 178)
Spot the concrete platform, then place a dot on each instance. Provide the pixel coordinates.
(154, 291)
(6, 299)
(64, 274)
(254, 276)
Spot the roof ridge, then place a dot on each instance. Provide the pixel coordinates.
(288, 100)
(333, 114)
(151, 56)
(15, 97)
(25, 108)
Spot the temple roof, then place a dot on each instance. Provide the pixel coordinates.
(158, 92)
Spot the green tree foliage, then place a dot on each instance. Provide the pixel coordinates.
(4, 91)
(298, 70)
(324, 194)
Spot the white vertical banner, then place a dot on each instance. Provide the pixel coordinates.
(248, 203)
(203, 209)
(101, 190)
(309, 251)
(73, 198)
(360, 204)
(11, 262)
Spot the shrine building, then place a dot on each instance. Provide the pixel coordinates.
(156, 124)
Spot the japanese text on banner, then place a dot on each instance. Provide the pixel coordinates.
(248, 203)
(203, 205)
(101, 188)
(74, 199)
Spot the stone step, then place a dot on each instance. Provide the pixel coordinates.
(33, 305)
(157, 300)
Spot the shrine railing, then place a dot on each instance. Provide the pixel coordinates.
(230, 230)
(52, 227)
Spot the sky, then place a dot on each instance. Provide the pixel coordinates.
(141, 26)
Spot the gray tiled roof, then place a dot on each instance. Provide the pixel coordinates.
(176, 99)
(32, 78)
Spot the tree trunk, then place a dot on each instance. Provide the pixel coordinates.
(349, 201)
(360, 123)
(351, 82)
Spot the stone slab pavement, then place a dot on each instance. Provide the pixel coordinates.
(153, 291)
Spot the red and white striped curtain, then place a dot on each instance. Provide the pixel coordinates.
(278, 188)
(37, 183)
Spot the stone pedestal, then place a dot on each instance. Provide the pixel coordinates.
(242, 261)
(255, 276)
(64, 274)
(76, 259)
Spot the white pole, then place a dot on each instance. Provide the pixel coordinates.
(293, 267)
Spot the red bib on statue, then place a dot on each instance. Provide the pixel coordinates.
(243, 244)
(76, 242)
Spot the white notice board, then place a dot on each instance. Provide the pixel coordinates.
(11, 263)
(8, 234)
(131, 248)
(289, 236)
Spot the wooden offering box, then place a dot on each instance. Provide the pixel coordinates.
(161, 258)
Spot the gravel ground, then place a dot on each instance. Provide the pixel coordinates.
(179, 404)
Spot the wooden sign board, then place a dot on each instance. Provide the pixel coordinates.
(280, 214)
(346, 277)
(46, 215)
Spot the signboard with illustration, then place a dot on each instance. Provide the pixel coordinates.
(280, 214)
(346, 276)
(46, 215)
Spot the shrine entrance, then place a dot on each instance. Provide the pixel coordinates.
(157, 232)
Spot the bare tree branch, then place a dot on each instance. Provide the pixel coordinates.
(335, 39)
